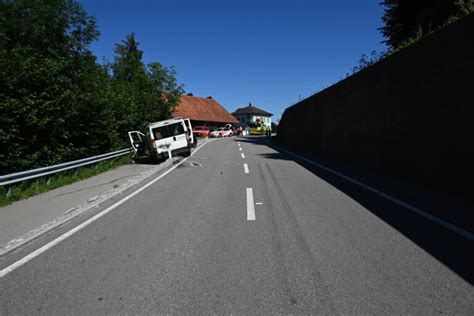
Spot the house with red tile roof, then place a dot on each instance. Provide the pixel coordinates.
(203, 111)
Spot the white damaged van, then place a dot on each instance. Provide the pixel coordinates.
(164, 139)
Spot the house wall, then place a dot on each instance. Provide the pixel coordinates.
(247, 118)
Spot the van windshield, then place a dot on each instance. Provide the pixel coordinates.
(168, 131)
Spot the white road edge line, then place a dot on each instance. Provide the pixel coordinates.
(409, 207)
(242, 154)
(246, 168)
(56, 241)
(250, 205)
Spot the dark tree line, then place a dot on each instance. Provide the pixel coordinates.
(56, 102)
(407, 19)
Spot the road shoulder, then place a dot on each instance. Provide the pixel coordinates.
(25, 220)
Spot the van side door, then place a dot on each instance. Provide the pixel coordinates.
(192, 140)
(138, 141)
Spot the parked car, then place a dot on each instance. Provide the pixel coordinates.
(216, 132)
(202, 131)
(227, 132)
(164, 138)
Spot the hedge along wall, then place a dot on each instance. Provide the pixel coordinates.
(408, 116)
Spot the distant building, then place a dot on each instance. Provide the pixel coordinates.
(251, 114)
(203, 112)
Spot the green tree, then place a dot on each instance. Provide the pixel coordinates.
(128, 65)
(57, 102)
(407, 19)
(166, 90)
(49, 84)
(142, 93)
(274, 126)
(130, 85)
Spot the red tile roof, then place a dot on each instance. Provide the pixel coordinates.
(202, 109)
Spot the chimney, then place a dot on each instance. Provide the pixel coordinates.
(209, 97)
(190, 94)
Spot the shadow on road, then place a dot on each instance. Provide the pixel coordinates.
(453, 250)
(146, 160)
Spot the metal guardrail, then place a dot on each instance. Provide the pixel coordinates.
(45, 171)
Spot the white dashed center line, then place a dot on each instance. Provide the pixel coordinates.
(250, 206)
(242, 154)
(246, 168)
(240, 148)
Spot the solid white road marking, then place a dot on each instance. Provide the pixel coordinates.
(409, 207)
(56, 241)
(246, 168)
(242, 154)
(259, 203)
(250, 207)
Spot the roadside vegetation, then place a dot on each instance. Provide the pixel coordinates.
(406, 22)
(40, 185)
(57, 102)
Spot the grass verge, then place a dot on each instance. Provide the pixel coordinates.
(29, 188)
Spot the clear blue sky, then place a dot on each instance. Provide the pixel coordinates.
(267, 52)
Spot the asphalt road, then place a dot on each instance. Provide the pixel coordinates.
(189, 244)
